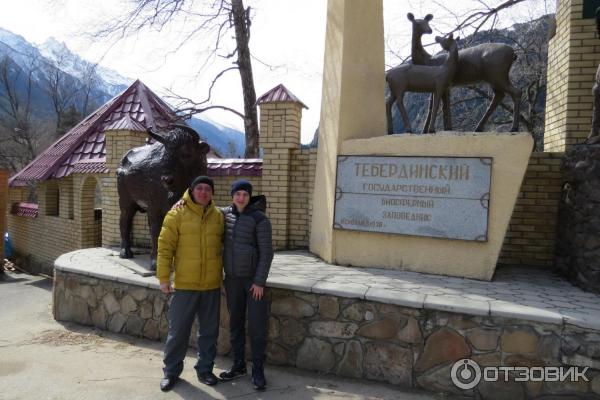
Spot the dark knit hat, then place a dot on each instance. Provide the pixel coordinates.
(241, 184)
(202, 179)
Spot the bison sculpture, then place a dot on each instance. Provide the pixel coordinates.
(153, 177)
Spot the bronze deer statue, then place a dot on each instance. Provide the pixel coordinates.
(421, 78)
(489, 62)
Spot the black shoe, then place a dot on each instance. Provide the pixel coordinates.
(237, 369)
(167, 383)
(258, 378)
(208, 378)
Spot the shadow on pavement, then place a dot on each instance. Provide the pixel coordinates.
(5, 278)
(45, 283)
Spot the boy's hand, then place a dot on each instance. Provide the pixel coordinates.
(166, 288)
(256, 291)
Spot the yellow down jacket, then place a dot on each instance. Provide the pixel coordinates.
(190, 244)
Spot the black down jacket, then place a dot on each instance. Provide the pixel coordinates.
(248, 250)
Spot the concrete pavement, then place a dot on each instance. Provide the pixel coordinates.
(43, 359)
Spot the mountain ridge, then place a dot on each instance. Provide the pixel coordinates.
(104, 85)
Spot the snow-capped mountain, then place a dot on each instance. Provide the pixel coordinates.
(106, 83)
(111, 81)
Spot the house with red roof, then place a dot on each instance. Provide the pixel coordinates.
(75, 181)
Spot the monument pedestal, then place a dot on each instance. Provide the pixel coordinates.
(473, 258)
(353, 124)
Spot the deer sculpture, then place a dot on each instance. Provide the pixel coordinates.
(419, 56)
(489, 62)
(421, 78)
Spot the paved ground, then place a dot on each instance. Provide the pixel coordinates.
(42, 359)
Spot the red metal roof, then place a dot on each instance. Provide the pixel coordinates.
(216, 167)
(97, 166)
(126, 124)
(279, 94)
(235, 167)
(137, 107)
(25, 210)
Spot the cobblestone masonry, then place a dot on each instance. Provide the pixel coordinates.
(392, 326)
(578, 253)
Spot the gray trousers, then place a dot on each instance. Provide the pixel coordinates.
(185, 304)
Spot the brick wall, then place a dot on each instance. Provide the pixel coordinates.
(573, 57)
(531, 236)
(39, 241)
(3, 204)
(302, 178)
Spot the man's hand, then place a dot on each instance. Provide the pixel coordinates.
(166, 287)
(179, 205)
(256, 291)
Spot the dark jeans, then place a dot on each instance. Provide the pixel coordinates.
(186, 304)
(240, 300)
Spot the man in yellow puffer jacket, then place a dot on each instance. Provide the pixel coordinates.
(189, 245)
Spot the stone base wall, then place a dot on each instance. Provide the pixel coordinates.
(363, 339)
(578, 253)
(120, 308)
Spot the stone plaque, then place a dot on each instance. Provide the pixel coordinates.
(443, 197)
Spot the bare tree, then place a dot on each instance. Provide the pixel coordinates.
(20, 135)
(60, 88)
(484, 16)
(214, 19)
(89, 81)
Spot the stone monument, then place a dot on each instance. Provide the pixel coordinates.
(405, 189)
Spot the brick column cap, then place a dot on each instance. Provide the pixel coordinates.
(279, 94)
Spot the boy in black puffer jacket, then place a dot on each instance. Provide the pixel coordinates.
(247, 256)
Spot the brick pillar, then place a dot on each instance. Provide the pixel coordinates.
(279, 134)
(118, 142)
(573, 57)
(3, 209)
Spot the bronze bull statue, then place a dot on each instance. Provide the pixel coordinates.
(153, 177)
